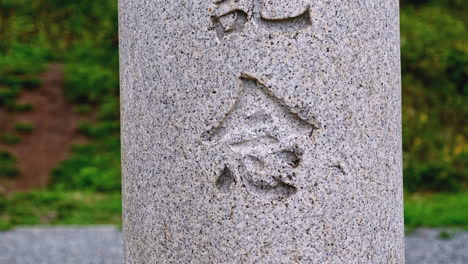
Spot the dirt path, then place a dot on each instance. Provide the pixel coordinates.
(54, 131)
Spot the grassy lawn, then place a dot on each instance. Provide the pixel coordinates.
(436, 210)
(60, 208)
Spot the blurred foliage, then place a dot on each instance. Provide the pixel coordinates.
(81, 34)
(435, 85)
(8, 165)
(57, 25)
(93, 167)
(24, 128)
(10, 139)
(89, 83)
(82, 109)
(18, 107)
(19, 69)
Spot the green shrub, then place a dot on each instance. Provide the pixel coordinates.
(88, 54)
(8, 96)
(433, 177)
(24, 128)
(10, 139)
(109, 109)
(8, 171)
(83, 109)
(89, 83)
(24, 81)
(19, 69)
(6, 157)
(25, 107)
(435, 84)
(99, 131)
(23, 60)
(21, 66)
(93, 167)
(8, 165)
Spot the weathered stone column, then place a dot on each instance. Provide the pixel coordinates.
(261, 131)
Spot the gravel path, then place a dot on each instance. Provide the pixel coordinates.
(103, 245)
(426, 247)
(80, 245)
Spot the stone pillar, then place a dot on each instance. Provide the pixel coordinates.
(261, 131)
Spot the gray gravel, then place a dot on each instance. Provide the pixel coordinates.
(103, 245)
(426, 247)
(80, 245)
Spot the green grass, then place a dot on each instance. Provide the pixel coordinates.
(59, 208)
(436, 210)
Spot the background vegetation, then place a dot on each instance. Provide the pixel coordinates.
(82, 34)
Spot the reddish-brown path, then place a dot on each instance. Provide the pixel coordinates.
(54, 131)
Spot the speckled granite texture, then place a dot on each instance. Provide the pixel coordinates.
(261, 131)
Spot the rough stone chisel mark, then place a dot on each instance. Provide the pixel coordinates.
(260, 136)
(225, 180)
(234, 17)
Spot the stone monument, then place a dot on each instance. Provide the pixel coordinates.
(261, 131)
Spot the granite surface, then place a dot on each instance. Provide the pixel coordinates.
(260, 131)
